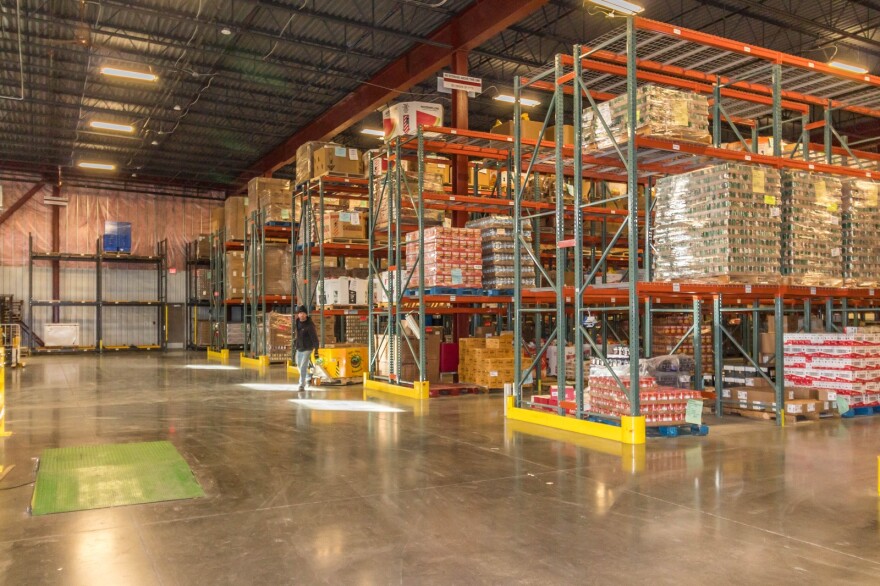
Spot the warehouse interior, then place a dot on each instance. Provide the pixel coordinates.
(439, 291)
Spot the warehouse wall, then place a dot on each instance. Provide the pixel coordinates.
(153, 218)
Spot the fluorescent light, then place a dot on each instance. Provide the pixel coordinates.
(225, 31)
(111, 126)
(527, 102)
(322, 405)
(373, 132)
(847, 67)
(621, 6)
(138, 75)
(98, 166)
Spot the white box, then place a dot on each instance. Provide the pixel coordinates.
(358, 291)
(336, 291)
(61, 334)
(404, 119)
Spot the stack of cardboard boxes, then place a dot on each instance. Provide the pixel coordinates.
(660, 112)
(344, 226)
(659, 405)
(276, 268)
(278, 342)
(812, 239)
(409, 370)
(317, 159)
(845, 364)
(234, 278)
(861, 224)
(273, 198)
(487, 362)
(230, 218)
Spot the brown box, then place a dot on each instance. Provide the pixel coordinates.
(758, 399)
(803, 393)
(273, 197)
(234, 281)
(277, 263)
(803, 407)
(235, 212)
(567, 134)
(337, 160)
(439, 166)
(530, 130)
(203, 247)
(217, 219)
(826, 395)
(344, 225)
(768, 343)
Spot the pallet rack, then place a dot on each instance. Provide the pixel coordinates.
(102, 261)
(758, 84)
(256, 302)
(196, 305)
(220, 305)
(307, 260)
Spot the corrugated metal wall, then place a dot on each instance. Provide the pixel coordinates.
(153, 218)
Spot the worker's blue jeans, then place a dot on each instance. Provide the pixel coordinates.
(302, 363)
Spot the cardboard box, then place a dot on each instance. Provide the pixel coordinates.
(235, 211)
(272, 197)
(277, 271)
(441, 167)
(344, 225)
(234, 281)
(768, 343)
(343, 361)
(567, 134)
(337, 160)
(405, 118)
(218, 219)
(803, 407)
(203, 247)
(530, 130)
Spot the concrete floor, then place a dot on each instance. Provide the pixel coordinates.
(448, 495)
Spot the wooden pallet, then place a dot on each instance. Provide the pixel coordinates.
(344, 306)
(338, 175)
(790, 419)
(454, 390)
(339, 240)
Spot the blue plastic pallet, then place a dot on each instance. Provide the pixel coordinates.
(312, 245)
(861, 412)
(275, 224)
(498, 292)
(445, 291)
(677, 430)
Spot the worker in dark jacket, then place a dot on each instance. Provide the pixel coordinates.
(306, 343)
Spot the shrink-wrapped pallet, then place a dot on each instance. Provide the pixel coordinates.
(812, 237)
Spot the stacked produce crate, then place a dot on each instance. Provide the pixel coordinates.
(812, 239)
(722, 223)
(452, 257)
(861, 227)
(498, 240)
(660, 112)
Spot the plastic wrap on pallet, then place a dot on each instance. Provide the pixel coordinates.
(861, 229)
(498, 238)
(407, 213)
(812, 238)
(719, 222)
(828, 365)
(279, 330)
(276, 270)
(451, 256)
(660, 112)
(817, 156)
(234, 277)
(273, 197)
(660, 405)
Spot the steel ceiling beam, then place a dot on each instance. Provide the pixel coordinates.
(466, 31)
(26, 197)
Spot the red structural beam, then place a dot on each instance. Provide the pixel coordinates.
(465, 31)
(21, 201)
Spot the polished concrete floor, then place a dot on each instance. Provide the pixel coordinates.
(447, 494)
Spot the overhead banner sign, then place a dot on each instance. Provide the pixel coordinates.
(450, 81)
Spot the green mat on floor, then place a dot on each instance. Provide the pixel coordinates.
(95, 477)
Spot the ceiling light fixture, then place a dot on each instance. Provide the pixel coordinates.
(111, 126)
(97, 166)
(847, 67)
(225, 31)
(508, 99)
(621, 6)
(155, 143)
(373, 132)
(177, 108)
(128, 74)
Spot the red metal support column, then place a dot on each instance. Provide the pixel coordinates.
(460, 173)
(21, 201)
(465, 31)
